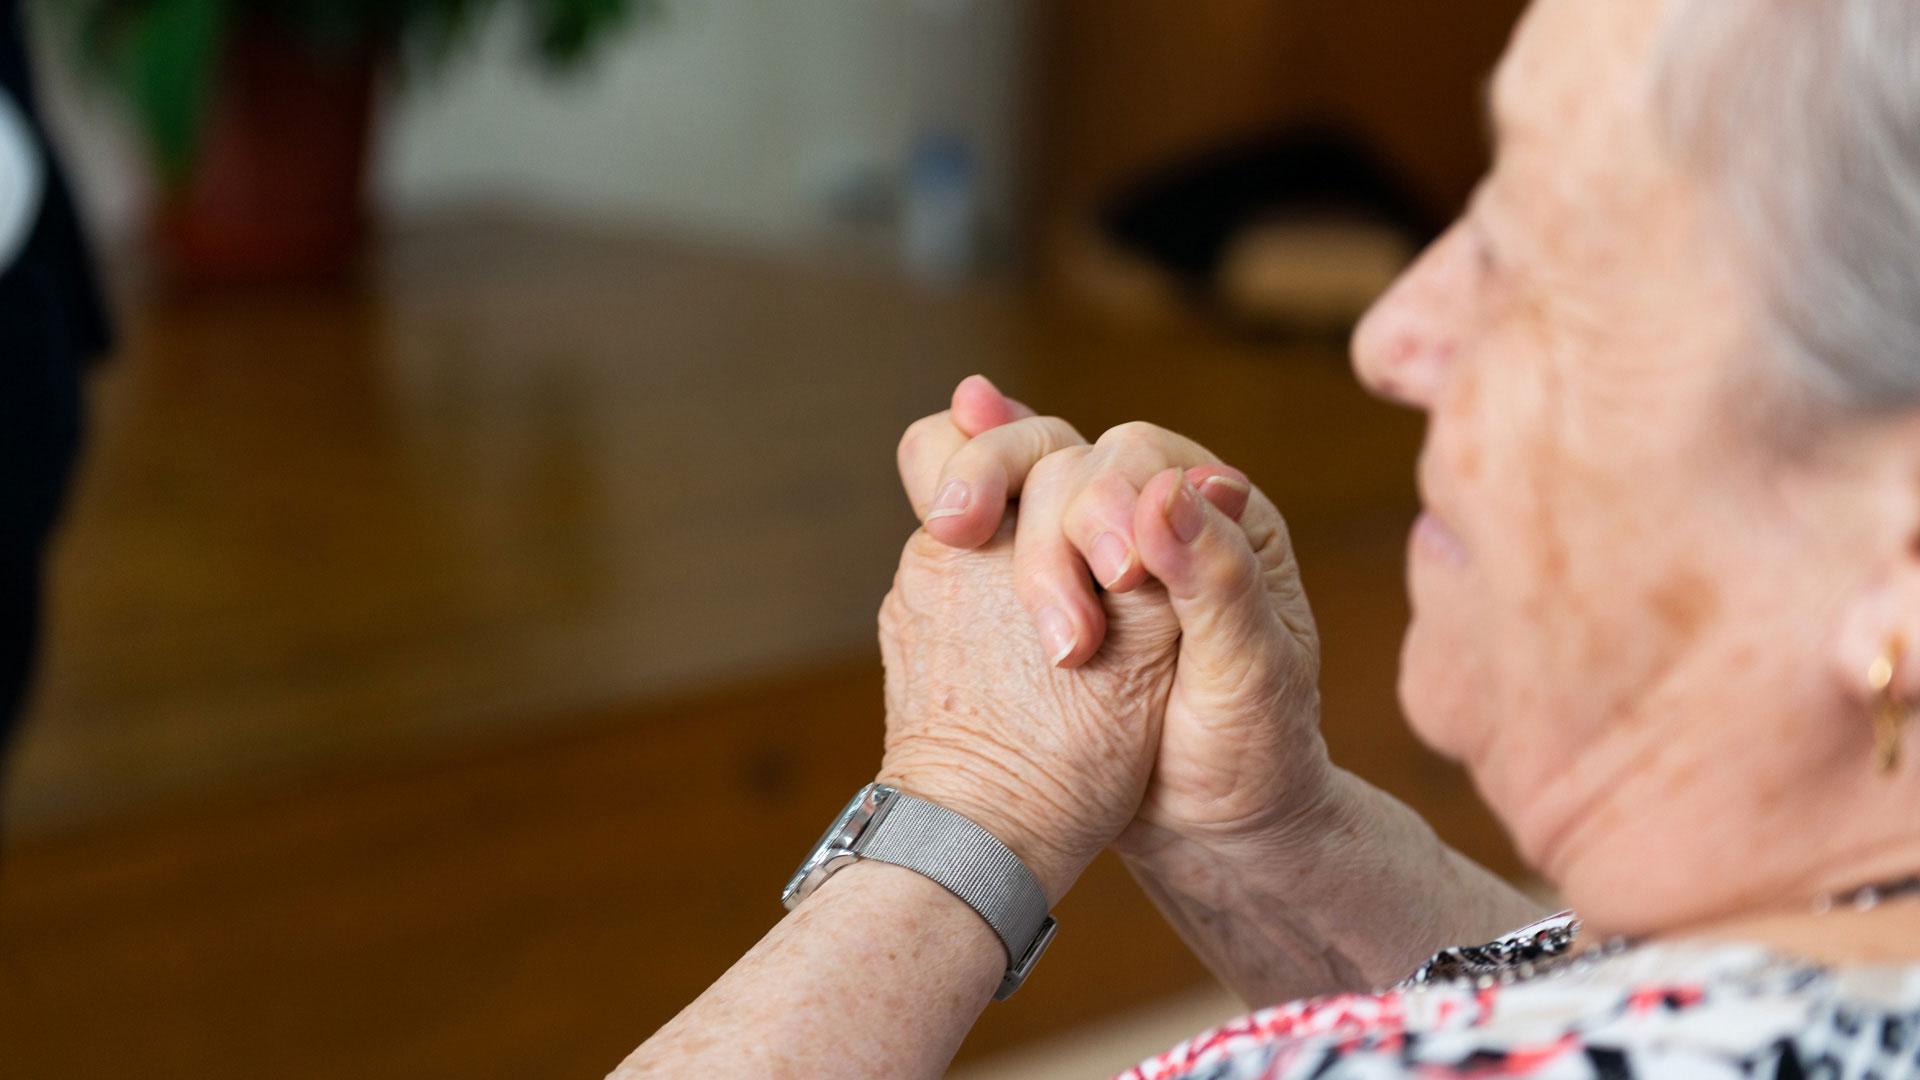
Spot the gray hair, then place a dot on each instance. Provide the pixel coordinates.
(1806, 113)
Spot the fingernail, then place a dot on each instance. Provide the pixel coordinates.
(951, 502)
(1056, 634)
(1227, 482)
(1186, 516)
(1109, 558)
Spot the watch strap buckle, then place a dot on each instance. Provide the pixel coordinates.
(1017, 973)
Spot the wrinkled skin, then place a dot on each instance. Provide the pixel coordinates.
(1053, 762)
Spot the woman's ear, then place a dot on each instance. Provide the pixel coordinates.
(1882, 626)
(1880, 623)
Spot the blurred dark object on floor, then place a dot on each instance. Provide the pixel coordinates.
(1300, 228)
(1185, 217)
(1128, 89)
(52, 323)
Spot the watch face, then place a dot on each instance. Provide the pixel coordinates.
(832, 852)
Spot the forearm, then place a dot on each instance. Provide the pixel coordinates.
(880, 972)
(1355, 899)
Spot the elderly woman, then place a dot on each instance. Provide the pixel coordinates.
(1667, 595)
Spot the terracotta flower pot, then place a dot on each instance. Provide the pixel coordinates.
(278, 193)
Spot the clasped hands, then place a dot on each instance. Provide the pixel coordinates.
(1177, 703)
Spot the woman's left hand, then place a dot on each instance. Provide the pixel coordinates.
(1053, 762)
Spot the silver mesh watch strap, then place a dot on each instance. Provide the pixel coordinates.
(969, 862)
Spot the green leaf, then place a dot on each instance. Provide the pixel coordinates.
(166, 57)
(566, 29)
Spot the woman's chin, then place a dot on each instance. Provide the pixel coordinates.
(1434, 692)
(1443, 681)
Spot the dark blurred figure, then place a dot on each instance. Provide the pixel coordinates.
(52, 323)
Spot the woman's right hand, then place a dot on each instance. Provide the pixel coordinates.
(1240, 756)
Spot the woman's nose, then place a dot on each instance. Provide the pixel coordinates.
(1404, 347)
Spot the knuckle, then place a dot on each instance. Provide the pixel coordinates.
(1268, 536)
(1112, 490)
(927, 589)
(1131, 433)
(923, 564)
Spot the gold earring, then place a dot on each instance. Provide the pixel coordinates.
(1890, 714)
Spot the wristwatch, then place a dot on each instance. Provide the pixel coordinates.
(889, 826)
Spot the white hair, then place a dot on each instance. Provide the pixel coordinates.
(1806, 114)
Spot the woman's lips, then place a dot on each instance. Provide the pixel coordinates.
(1433, 538)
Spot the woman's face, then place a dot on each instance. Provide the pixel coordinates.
(1609, 533)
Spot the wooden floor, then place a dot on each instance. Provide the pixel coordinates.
(445, 674)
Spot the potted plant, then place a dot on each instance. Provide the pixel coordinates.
(258, 113)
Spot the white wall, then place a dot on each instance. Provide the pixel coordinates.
(727, 117)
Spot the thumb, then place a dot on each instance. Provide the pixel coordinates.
(1215, 583)
(979, 406)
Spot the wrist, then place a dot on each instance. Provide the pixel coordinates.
(1055, 865)
(1291, 833)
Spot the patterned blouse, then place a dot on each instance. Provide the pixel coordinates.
(1649, 1012)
